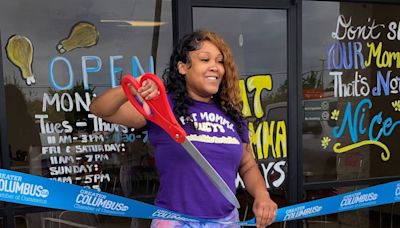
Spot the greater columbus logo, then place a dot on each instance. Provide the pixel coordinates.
(100, 201)
(358, 198)
(170, 215)
(26, 189)
(301, 212)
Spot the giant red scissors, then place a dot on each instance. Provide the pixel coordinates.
(161, 114)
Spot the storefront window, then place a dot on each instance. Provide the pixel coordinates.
(56, 57)
(351, 87)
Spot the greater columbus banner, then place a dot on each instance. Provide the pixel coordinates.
(22, 188)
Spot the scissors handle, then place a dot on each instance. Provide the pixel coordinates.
(161, 113)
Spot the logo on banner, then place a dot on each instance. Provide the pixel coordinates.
(357, 199)
(97, 202)
(397, 192)
(12, 187)
(163, 214)
(302, 211)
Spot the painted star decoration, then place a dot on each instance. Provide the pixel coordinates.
(396, 105)
(325, 142)
(335, 114)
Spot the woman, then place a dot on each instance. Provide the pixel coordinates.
(202, 85)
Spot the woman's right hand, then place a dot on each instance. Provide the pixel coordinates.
(148, 90)
(113, 105)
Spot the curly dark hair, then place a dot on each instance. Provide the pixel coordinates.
(228, 95)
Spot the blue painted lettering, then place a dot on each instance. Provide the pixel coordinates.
(342, 55)
(86, 69)
(53, 82)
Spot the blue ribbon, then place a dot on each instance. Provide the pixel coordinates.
(22, 188)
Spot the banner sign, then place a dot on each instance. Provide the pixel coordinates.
(16, 187)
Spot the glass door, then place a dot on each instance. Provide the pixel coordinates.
(258, 35)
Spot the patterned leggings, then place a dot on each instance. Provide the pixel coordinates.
(232, 217)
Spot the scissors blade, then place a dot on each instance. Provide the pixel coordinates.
(212, 174)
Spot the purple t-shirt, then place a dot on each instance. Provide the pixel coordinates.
(184, 187)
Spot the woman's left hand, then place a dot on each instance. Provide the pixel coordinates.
(264, 209)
